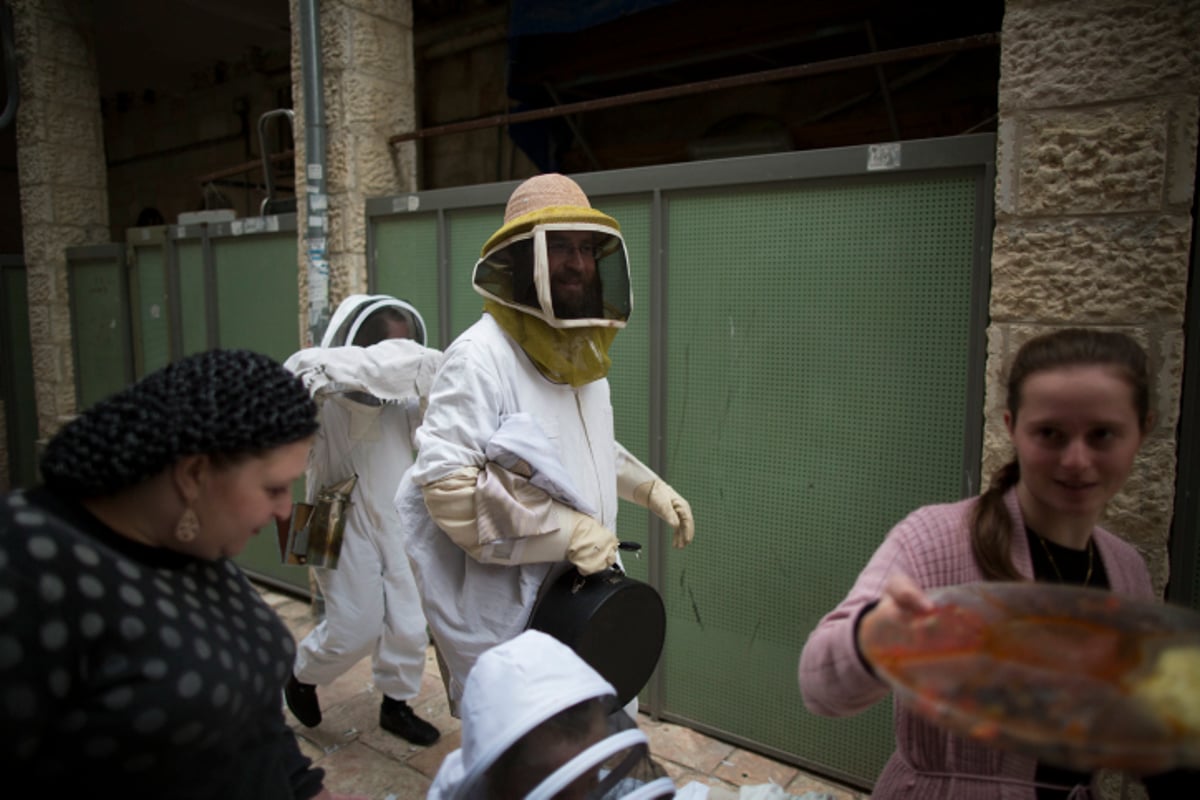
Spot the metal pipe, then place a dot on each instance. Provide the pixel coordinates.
(316, 221)
(575, 131)
(268, 171)
(245, 166)
(716, 84)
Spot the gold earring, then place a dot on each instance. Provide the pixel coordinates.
(188, 526)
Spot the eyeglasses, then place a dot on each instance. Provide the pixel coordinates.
(564, 249)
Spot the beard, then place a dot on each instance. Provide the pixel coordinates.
(587, 304)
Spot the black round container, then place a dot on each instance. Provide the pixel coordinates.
(615, 623)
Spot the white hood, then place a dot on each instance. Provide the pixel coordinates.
(513, 688)
(352, 311)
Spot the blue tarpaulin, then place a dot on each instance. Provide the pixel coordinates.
(534, 17)
(529, 21)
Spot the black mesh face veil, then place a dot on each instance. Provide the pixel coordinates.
(518, 272)
(224, 403)
(506, 274)
(355, 316)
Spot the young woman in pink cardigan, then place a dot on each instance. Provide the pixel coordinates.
(1078, 409)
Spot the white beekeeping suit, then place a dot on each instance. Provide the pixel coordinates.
(370, 400)
(555, 280)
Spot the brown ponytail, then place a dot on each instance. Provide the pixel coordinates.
(991, 527)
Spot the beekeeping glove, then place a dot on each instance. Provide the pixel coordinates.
(639, 484)
(592, 547)
(559, 533)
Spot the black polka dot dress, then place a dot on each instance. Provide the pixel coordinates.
(136, 669)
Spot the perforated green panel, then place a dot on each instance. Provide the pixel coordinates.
(629, 377)
(258, 296)
(258, 304)
(189, 256)
(817, 370)
(468, 230)
(98, 327)
(407, 265)
(152, 338)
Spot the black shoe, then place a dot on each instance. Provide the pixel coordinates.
(396, 717)
(302, 700)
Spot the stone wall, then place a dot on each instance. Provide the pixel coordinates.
(1096, 168)
(367, 56)
(64, 195)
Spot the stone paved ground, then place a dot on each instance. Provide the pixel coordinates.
(361, 759)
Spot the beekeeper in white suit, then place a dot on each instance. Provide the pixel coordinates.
(555, 279)
(534, 727)
(370, 378)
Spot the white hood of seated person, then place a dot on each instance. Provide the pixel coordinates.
(514, 687)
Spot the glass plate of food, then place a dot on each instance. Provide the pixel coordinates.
(1078, 677)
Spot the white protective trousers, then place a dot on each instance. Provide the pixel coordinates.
(371, 600)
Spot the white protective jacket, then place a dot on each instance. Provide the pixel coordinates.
(485, 376)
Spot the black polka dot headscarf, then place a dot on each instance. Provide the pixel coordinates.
(223, 403)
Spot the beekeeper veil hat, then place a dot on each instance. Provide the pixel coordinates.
(515, 264)
(517, 686)
(555, 276)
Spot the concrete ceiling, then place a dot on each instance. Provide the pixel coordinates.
(151, 44)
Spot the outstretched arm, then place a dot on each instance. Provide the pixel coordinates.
(835, 678)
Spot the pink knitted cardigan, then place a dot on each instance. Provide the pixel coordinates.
(932, 546)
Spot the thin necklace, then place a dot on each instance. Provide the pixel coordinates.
(1087, 579)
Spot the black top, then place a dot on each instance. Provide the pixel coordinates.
(1053, 563)
(135, 670)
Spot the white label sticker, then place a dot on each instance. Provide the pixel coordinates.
(409, 202)
(883, 156)
(315, 172)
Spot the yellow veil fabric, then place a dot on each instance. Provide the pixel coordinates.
(576, 356)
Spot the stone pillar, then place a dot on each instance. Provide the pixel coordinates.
(63, 179)
(367, 57)
(1096, 169)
